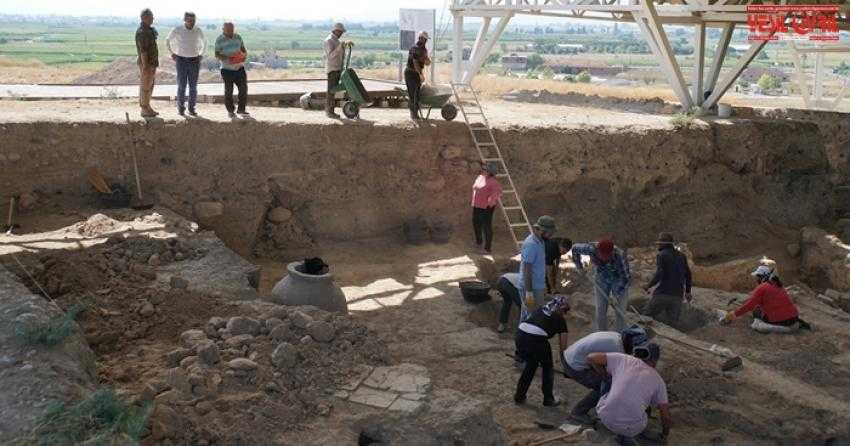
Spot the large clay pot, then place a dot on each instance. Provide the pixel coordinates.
(319, 291)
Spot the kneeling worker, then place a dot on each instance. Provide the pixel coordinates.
(576, 367)
(773, 310)
(532, 344)
(635, 386)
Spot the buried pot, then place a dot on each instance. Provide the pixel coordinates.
(318, 290)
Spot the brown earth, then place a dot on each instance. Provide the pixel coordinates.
(724, 186)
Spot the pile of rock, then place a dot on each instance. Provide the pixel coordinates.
(835, 299)
(288, 359)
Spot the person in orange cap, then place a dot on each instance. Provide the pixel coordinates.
(612, 279)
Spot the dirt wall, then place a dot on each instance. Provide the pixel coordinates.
(718, 186)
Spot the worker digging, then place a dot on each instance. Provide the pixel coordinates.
(212, 316)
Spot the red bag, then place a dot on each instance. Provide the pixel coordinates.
(237, 58)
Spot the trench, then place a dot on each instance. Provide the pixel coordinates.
(277, 192)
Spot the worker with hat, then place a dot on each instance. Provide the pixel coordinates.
(672, 281)
(772, 307)
(414, 74)
(532, 265)
(486, 192)
(634, 387)
(612, 279)
(533, 348)
(576, 367)
(334, 54)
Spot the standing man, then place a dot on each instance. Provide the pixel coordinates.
(486, 193)
(334, 53)
(612, 279)
(635, 386)
(414, 74)
(148, 61)
(187, 45)
(555, 248)
(673, 280)
(532, 267)
(231, 52)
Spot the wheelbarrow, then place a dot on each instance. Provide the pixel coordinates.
(350, 83)
(432, 98)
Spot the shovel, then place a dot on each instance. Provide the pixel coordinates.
(139, 203)
(10, 225)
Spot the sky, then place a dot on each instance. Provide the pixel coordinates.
(336, 10)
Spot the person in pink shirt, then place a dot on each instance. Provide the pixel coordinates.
(486, 192)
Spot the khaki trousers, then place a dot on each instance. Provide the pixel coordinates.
(146, 80)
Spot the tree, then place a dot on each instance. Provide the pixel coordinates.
(295, 45)
(534, 61)
(493, 58)
(767, 82)
(583, 77)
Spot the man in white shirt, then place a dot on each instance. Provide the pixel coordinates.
(334, 52)
(187, 45)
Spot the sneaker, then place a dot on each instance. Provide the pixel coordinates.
(519, 401)
(501, 328)
(181, 112)
(332, 115)
(148, 113)
(231, 115)
(243, 113)
(552, 403)
(192, 112)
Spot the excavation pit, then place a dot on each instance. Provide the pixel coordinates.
(251, 188)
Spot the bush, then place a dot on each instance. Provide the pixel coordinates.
(101, 417)
(52, 332)
(583, 77)
(768, 82)
(534, 60)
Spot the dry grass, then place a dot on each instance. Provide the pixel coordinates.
(31, 71)
(499, 86)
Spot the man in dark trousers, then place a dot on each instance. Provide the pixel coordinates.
(414, 74)
(672, 281)
(230, 51)
(148, 61)
(334, 54)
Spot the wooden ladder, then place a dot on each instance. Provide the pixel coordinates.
(488, 151)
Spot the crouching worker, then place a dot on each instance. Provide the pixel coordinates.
(532, 344)
(508, 287)
(576, 367)
(635, 387)
(773, 310)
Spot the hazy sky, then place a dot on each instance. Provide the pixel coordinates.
(361, 10)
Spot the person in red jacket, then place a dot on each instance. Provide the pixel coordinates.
(771, 306)
(486, 192)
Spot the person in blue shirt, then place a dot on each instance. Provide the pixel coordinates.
(612, 279)
(532, 267)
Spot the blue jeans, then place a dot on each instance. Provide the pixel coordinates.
(188, 69)
(603, 293)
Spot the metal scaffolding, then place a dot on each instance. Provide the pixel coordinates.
(815, 97)
(706, 88)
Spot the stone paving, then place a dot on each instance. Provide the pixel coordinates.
(401, 388)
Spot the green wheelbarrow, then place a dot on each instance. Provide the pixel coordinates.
(431, 98)
(349, 82)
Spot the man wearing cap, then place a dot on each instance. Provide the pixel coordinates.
(635, 386)
(187, 45)
(612, 279)
(230, 51)
(532, 266)
(672, 281)
(148, 61)
(334, 53)
(486, 192)
(414, 74)
(576, 367)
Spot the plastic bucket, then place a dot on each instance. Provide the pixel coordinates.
(724, 110)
